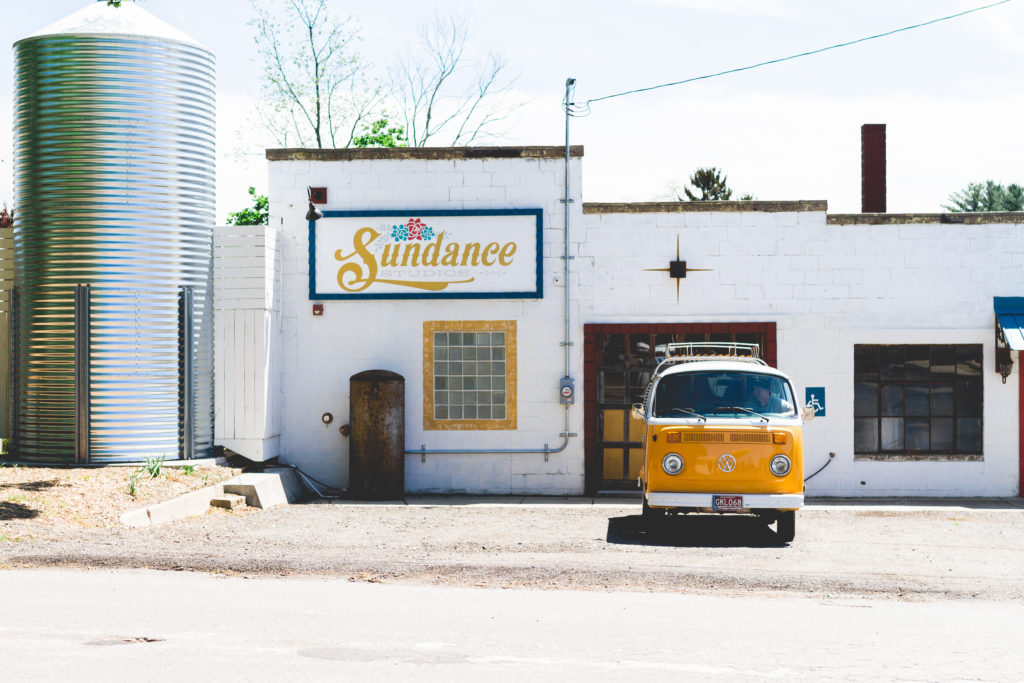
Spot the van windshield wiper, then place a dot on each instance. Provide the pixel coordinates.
(688, 411)
(747, 410)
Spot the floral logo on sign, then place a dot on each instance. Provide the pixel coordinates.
(412, 230)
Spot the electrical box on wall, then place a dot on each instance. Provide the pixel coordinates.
(567, 392)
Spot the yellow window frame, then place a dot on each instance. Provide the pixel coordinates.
(509, 328)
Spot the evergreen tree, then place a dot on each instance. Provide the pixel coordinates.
(711, 184)
(987, 196)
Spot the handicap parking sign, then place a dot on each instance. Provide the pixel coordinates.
(815, 397)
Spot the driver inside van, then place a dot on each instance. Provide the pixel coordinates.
(760, 398)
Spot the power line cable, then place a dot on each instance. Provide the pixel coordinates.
(802, 54)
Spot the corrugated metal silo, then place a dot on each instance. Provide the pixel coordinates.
(112, 318)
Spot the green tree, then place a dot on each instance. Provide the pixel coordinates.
(987, 196)
(381, 134)
(712, 185)
(316, 88)
(259, 214)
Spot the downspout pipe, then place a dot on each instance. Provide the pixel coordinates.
(570, 87)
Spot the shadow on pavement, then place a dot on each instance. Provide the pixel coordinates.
(693, 531)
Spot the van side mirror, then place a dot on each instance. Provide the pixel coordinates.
(638, 411)
(808, 413)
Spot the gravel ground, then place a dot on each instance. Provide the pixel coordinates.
(943, 550)
(44, 502)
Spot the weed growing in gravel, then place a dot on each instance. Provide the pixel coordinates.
(133, 482)
(154, 466)
(17, 499)
(188, 470)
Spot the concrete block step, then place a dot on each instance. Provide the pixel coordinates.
(276, 486)
(229, 501)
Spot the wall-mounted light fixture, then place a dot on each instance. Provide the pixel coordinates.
(314, 214)
(1009, 332)
(1004, 357)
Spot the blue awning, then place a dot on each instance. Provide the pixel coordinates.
(1010, 314)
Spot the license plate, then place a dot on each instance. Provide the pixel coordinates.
(727, 503)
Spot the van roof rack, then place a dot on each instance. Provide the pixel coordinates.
(695, 352)
(698, 352)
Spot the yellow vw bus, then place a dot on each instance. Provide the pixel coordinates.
(722, 434)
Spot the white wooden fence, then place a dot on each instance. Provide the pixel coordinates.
(247, 312)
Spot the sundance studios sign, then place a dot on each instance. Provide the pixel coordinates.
(472, 254)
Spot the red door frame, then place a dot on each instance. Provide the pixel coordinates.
(591, 458)
(1020, 421)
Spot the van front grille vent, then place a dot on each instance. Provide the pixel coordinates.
(750, 438)
(722, 437)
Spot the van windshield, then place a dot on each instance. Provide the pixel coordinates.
(723, 393)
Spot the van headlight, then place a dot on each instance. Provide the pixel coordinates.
(672, 463)
(780, 465)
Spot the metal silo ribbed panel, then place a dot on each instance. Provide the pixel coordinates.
(114, 174)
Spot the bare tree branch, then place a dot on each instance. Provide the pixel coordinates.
(444, 94)
(315, 86)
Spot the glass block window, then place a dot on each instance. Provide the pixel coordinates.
(918, 399)
(469, 375)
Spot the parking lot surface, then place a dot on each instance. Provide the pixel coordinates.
(911, 550)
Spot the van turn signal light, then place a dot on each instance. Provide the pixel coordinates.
(674, 437)
(778, 437)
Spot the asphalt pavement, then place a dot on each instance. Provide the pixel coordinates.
(161, 626)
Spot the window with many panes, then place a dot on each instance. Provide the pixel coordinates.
(469, 374)
(917, 399)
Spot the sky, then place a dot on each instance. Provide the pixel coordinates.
(951, 94)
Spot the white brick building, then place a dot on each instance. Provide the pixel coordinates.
(892, 315)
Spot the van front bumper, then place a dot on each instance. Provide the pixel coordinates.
(751, 501)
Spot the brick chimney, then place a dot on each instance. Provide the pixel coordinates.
(872, 168)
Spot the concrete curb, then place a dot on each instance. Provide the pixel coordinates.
(191, 504)
(263, 490)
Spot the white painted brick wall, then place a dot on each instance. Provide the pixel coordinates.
(827, 287)
(322, 353)
(849, 284)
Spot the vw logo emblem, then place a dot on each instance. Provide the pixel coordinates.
(727, 463)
